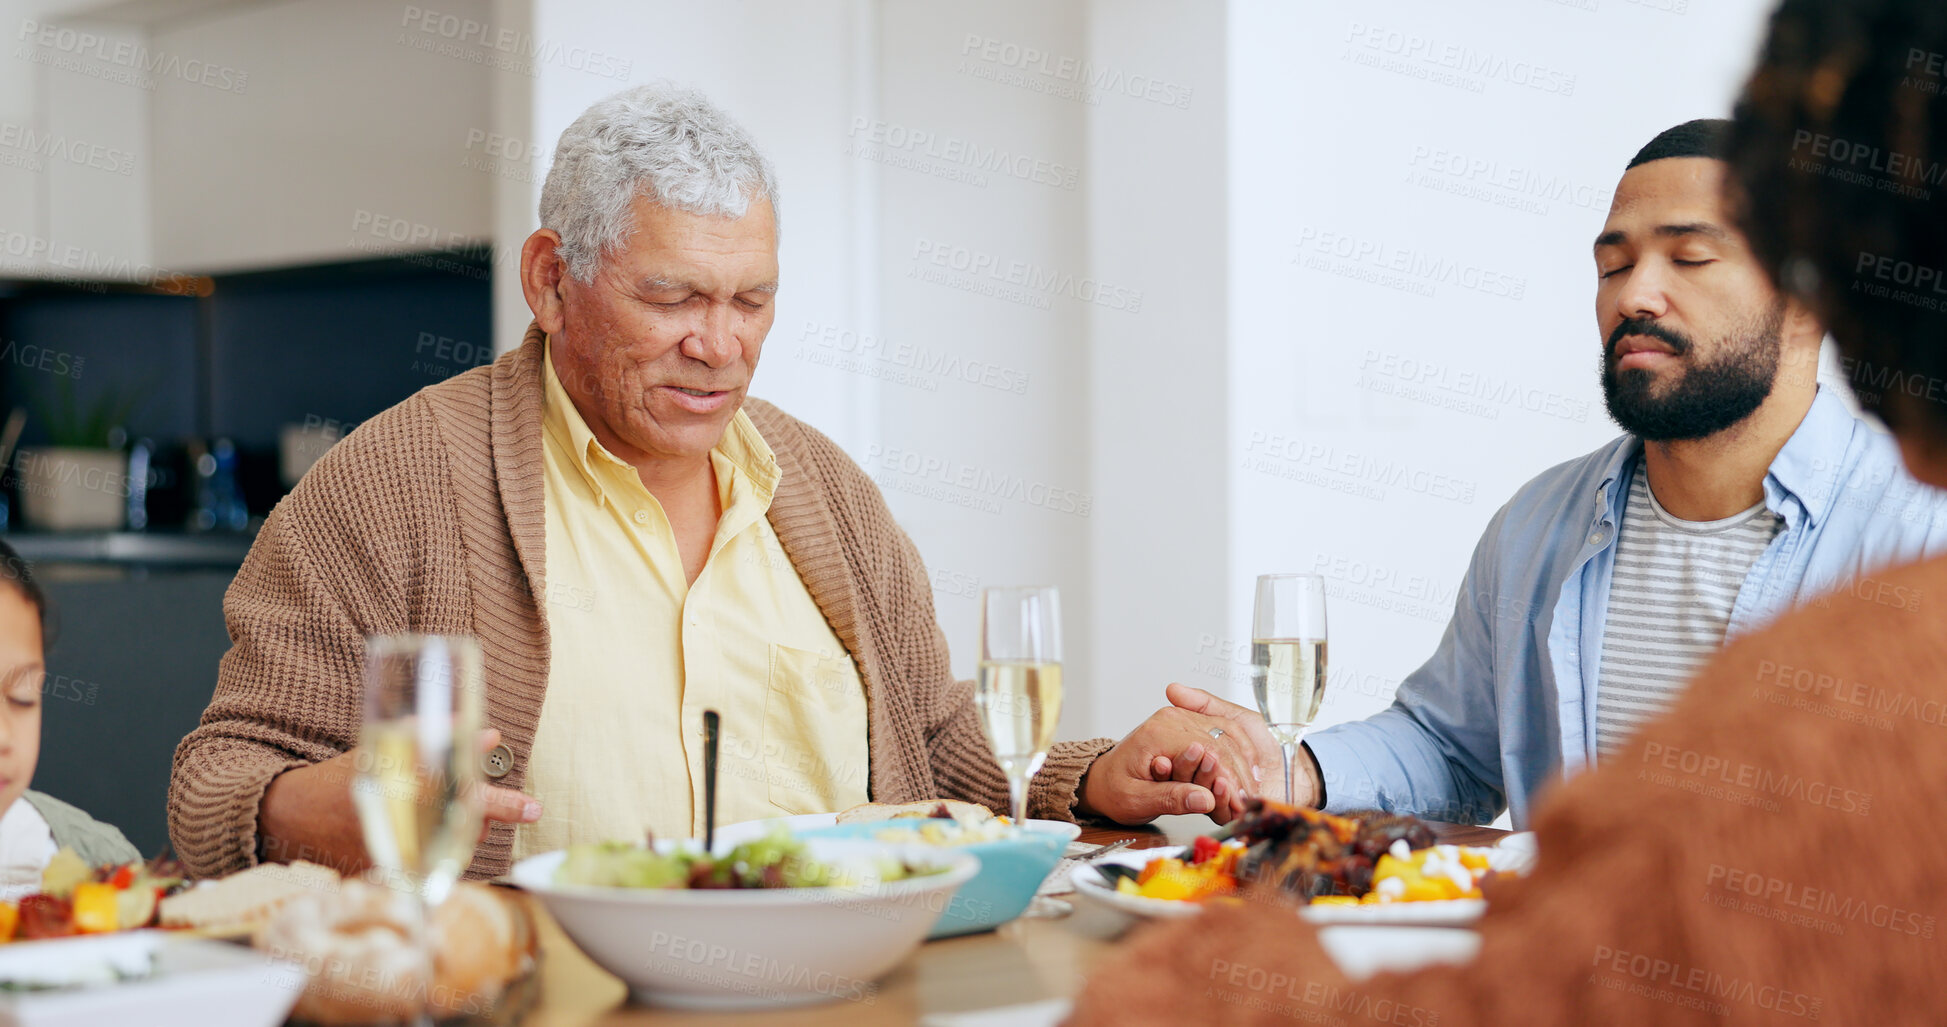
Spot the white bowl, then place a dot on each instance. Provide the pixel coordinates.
(743, 831)
(1011, 869)
(753, 948)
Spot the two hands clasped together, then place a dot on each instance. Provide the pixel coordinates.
(1199, 754)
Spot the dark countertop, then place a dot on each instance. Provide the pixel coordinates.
(150, 549)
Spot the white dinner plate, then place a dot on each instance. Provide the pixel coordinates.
(1433, 913)
(1092, 887)
(1361, 952)
(195, 983)
(1521, 853)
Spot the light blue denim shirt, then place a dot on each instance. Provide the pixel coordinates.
(1507, 703)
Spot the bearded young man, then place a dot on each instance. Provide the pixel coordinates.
(1730, 866)
(1741, 489)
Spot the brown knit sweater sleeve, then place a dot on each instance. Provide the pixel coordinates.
(1772, 850)
(345, 555)
(935, 711)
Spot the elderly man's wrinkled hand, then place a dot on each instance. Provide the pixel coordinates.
(307, 812)
(1245, 728)
(1197, 755)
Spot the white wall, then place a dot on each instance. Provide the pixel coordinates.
(22, 193)
(992, 479)
(204, 137)
(327, 130)
(1355, 148)
(74, 145)
(518, 165)
(1158, 378)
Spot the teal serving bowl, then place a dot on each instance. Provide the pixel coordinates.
(1011, 871)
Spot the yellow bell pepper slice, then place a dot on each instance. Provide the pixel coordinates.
(1429, 889)
(1154, 867)
(9, 919)
(1177, 882)
(1391, 866)
(94, 907)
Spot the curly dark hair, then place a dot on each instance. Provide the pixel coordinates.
(1838, 158)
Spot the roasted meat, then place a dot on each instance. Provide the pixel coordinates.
(1306, 853)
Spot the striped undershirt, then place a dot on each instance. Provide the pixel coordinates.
(1670, 601)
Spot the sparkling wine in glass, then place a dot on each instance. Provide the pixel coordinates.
(1018, 691)
(418, 780)
(1288, 658)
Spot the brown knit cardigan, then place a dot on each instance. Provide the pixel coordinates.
(1773, 850)
(430, 518)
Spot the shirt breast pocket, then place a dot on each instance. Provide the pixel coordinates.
(815, 756)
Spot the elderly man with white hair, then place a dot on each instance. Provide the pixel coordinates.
(633, 541)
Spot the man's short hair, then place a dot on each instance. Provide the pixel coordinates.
(1704, 137)
(671, 144)
(1839, 180)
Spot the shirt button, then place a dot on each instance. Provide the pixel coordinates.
(498, 761)
(642, 517)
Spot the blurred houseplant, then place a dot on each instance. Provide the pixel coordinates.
(79, 480)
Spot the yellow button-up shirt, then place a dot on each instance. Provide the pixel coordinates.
(637, 654)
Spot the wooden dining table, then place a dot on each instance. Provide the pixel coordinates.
(1031, 959)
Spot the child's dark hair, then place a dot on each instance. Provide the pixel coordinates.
(15, 572)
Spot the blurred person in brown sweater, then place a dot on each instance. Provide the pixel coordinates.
(1774, 849)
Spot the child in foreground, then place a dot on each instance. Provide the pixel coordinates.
(34, 825)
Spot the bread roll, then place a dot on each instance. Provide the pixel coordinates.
(483, 942)
(369, 958)
(363, 952)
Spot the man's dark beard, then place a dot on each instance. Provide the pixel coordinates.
(1708, 397)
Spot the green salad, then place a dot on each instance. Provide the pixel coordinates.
(777, 860)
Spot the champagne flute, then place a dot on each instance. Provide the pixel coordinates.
(1018, 692)
(1288, 658)
(418, 780)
